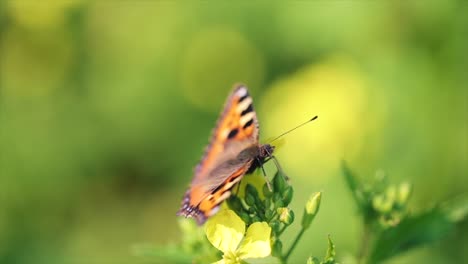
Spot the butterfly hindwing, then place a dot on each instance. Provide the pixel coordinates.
(232, 149)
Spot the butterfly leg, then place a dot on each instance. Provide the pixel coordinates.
(265, 175)
(269, 156)
(278, 167)
(237, 188)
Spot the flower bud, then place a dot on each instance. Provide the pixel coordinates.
(381, 204)
(249, 199)
(404, 192)
(286, 215)
(266, 191)
(287, 195)
(244, 216)
(255, 219)
(391, 193)
(279, 183)
(278, 200)
(235, 203)
(311, 209)
(250, 189)
(313, 204)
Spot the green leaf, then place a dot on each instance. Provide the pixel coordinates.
(250, 189)
(245, 217)
(279, 183)
(278, 200)
(288, 195)
(313, 260)
(330, 256)
(411, 232)
(235, 204)
(251, 196)
(457, 208)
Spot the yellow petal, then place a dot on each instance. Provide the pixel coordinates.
(219, 262)
(225, 230)
(256, 243)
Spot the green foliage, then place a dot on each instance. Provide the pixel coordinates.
(273, 209)
(329, 256)
(389, 229)
(413, 231)
(379, 202)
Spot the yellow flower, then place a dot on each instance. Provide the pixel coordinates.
(226, 230)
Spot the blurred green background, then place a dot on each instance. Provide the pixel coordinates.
(107, 106)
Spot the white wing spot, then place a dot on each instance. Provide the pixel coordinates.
(244, 104)
(242, 91)
(246, 118)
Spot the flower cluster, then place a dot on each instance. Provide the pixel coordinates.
(389, 228)
(380, 202)
(271, 206)
(259, 214)
(248, 226)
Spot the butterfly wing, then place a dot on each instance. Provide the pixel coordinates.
(232, 149)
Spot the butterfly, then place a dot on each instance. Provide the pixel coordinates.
(233, 151)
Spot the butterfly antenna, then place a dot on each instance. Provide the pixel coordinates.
(306, 122)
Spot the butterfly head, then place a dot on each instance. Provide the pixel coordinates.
(266, 151)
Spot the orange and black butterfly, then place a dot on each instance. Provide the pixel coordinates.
(233, 151)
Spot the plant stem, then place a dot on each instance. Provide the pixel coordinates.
(364, 247)
(296, 240)
(282, 230)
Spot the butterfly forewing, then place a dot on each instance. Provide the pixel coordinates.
(232, 149)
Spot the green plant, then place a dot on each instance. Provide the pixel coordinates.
(252, 221)
(389, 228)
(272, 207)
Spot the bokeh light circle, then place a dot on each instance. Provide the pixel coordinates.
(336, 92)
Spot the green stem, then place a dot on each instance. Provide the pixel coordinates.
(282, 230)
(273, 217)
(245, 206)
(296, 240)
(365, 244)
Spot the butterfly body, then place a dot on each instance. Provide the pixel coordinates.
(233, 151)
